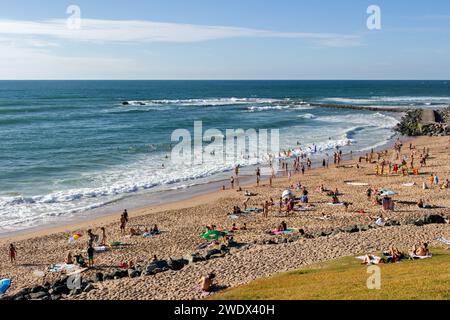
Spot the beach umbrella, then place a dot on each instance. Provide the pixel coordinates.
(287, 194)
(5, 284)
(213, 235)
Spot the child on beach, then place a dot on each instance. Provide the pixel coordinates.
(69, 259)
(12, 253)
(90, 252)
(104, 238)
(123, 222)
(206, 282)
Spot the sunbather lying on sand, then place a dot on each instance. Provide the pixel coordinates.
(282, 226)
(371, 259)
(395, 254)
(421, 251)
(236, 210)
(135, 232)
(422, 205)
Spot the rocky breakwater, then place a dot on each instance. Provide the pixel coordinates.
(425, 122)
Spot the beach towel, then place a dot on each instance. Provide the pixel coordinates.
(303, 209)
(411, 184)
(5, 284)
(420, 257)
(336, 204)
(233, 216)
(380, 222)
(276, 232)
(116, 244)
(77, 271)
(373, 259)
(386, 192)
(101, 249)
(213, 235)
(62, 267)
(249, 210)
(357, 183)
(443, 240)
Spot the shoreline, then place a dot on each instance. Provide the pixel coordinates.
(191, 196)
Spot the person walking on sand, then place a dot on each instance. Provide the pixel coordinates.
(123, 222)
(232, 182)
(90, 253)
(266, 209)
(125, 214)
(12, 253)
(103, 242)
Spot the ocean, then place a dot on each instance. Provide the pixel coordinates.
(68, 147)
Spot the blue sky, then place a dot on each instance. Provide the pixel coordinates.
(200, 39)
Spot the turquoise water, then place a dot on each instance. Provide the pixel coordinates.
(70, 146)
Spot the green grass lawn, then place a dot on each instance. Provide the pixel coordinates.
(346, 279)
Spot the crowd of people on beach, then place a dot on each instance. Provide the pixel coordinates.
(288, 203)
(394, 255)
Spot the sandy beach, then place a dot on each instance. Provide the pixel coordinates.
(182, 223)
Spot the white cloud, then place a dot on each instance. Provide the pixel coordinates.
(93, 30)
(37, 49)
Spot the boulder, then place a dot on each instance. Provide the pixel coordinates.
(99, 277)
(435, 219)
(37, 289)
(89, 287)
(61, 289)
(38, 295)
(216, 256)
(156, 267)
(133, 273)
(212, 252)
(420, 222)
(194, 257)
(335, 232)
(351, 229)
(55, 297)
(75, 292)
(118, 274)
(363, 227)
